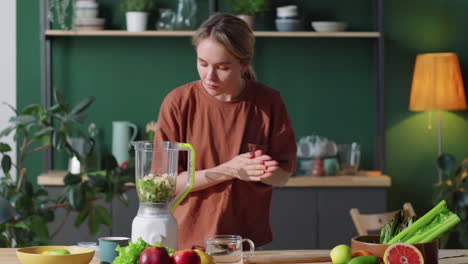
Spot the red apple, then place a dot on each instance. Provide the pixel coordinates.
(155, 255)
(186, 257)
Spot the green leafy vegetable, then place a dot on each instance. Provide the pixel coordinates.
(131, 253)
(156, 188)
(396, 225)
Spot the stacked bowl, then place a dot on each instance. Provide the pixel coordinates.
(287, 18)
(85, 16)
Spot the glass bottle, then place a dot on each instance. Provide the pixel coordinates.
(186, 15)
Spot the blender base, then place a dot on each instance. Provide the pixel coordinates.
(155, 229)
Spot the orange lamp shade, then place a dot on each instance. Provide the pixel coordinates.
(437, 83)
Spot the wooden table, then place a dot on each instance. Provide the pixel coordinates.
(8, 255)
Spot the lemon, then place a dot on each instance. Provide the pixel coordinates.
(45, 252)
(204, 257)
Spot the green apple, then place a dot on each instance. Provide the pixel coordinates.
(59, 251)
(340, 254)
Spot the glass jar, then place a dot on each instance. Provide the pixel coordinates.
(166, 19)
(186, 15)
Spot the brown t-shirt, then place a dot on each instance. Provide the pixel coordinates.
(219, 131)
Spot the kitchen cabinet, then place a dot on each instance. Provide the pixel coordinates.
(308, 213)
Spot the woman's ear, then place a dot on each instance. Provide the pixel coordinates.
(244, 67)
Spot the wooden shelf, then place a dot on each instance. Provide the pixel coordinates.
(182, 33)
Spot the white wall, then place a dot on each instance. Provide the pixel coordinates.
(7, 68)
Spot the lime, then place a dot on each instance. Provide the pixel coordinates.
(340, 254)
(59, 251)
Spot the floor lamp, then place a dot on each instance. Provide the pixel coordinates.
(437, 86)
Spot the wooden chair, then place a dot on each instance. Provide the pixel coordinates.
(374, 222)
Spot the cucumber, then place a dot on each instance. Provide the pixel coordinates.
(364, 260)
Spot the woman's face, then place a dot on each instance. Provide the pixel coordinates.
(220, 72)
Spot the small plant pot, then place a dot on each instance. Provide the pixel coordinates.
(250, 20)
(136, 21)
(370, 243)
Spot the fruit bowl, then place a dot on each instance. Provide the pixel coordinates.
(33, 255)
(370, 243)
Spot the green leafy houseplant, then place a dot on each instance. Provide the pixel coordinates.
(248, 7)
(36, 128)
(454, 189)
(137, 5)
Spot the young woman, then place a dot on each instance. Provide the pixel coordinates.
(241, 132)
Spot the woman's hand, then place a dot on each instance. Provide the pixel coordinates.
(251, 166)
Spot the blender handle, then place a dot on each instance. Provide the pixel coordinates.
(190, 174)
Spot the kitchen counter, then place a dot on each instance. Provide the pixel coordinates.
(52, 178)
(8, 256)
(308, 213)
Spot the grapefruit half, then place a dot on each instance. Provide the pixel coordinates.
(403, 253)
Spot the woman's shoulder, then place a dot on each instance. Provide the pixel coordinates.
(182, 93)
(264, 92)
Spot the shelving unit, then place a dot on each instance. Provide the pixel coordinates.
(156, 33)
(377, 36)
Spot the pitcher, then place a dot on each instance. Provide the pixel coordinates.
(123, 132)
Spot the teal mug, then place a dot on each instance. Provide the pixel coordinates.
(332, 166)
(107, 245)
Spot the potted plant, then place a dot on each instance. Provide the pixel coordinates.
(25, 208)
(454, 189)
(136, 13)
(246, 9)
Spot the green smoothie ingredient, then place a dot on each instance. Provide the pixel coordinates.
(156, 188)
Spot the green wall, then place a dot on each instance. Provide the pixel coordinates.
(327, 83)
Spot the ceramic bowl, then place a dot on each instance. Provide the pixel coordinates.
(370, 243)
(286, 24)
(32, 255)
(328, 26)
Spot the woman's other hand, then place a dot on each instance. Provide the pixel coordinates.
(251, 166)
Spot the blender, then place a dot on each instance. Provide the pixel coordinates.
(156, 170)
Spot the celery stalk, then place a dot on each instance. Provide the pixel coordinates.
(421, 222)
(447, 225)
(435, 231)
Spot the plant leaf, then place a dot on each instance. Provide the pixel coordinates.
(102, 215)
(58, 98)
(81, 217)
(6, 163)
(71, 179)
(81, 106)
(79, 117)
(93, 223)
(58, 140)
(43, 131)
(11, 107)
(446, 163)
(76, 197)
(22, 120)
(32, 109)
(6, 131)
(124, 198)
(55, 108)
(4, 147)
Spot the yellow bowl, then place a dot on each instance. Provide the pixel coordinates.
(32, 255)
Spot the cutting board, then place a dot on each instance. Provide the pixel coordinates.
(289, 256)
